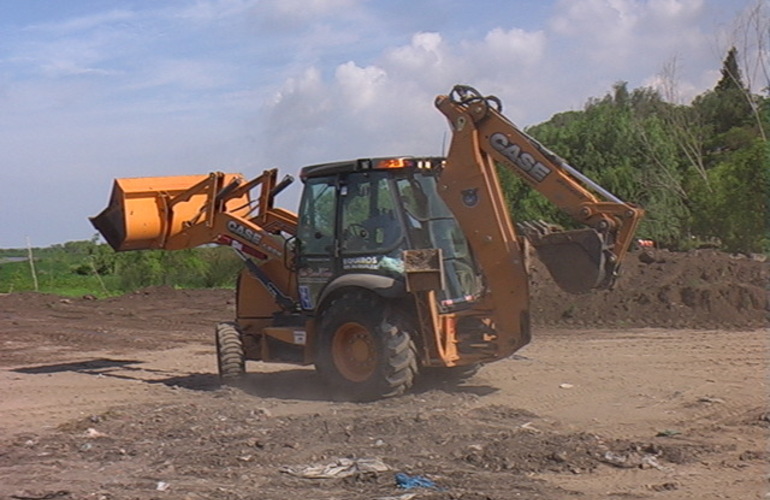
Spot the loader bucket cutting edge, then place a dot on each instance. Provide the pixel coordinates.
(135, 219)
(575, 259)
(111, 224)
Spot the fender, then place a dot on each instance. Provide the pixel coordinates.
(384, 286)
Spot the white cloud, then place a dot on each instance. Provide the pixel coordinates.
(594, 17)
(298, 113)
(83, 23)
(207, 10)
(515, 46)
(307, 85)
(423, 53)
(307, 8)
(359, 86)
(268, 16)
(617, 32)
(604, 41)
(387, 107)
(675, 9)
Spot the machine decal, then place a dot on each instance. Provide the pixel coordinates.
(470, 197)
(244, 232)
(525, 161)
(311, 275)
(305, 298)
(366, 262)
(300, 337)
(392, 265)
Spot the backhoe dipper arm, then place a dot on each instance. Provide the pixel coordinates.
(481, 137)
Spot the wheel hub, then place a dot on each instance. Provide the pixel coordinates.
(354, 352)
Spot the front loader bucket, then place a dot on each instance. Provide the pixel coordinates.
(577, 260)
(139, 215)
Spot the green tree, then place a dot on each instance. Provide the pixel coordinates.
(139, 269)
(736, 211)
(731, 73)
(727, 106)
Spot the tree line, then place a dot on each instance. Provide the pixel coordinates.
(700, 170)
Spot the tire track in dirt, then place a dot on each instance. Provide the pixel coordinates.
(660, 375)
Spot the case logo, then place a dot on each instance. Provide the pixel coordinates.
(244, 232)
(525, 161)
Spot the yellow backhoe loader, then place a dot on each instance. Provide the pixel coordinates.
(393, 266)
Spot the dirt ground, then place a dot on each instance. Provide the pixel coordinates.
(657, 390)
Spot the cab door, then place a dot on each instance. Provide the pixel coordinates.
(316, 232)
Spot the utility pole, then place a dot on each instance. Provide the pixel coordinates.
(32, 263)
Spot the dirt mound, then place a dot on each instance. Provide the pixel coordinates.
(657, 288)
(243, 451)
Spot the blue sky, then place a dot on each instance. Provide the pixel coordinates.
(93, 90)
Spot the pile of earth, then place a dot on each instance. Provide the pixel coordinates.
(658, 288)
(223, 446)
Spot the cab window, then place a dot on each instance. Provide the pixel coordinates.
(369, 220)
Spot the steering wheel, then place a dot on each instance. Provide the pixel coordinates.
(358, 231)
(356, 237)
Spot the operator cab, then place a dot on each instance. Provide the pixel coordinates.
(358, 217)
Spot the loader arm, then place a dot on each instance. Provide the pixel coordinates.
(579, 260)
(174, 213)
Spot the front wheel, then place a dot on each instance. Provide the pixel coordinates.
(365, 351)
(231, 360)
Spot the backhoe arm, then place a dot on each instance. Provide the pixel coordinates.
(579, 260)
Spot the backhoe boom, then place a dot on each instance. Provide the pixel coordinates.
(579, 260)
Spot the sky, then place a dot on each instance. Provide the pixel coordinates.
(92, 90)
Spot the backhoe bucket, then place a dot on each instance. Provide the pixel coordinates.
(576, 259)
(140, 214)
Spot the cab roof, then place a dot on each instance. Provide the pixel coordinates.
(364, 164)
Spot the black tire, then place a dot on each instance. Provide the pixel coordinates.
(365, 351)
(231, 360)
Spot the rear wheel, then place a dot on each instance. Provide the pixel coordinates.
(231, 360)
(364, 351)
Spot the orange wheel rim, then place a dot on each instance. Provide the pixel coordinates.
(354, 352)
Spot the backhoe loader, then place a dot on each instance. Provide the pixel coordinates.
(393, 266)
